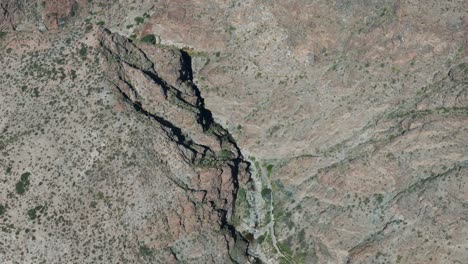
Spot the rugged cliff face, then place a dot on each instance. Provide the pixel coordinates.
(157, 81)
(233, 131)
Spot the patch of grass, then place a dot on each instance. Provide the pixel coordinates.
(100, 23)
(3, 34)
(23, 184)
(2, 209)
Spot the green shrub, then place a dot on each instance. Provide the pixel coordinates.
(269, 168)
(23, 184)
(73, 74)
(88, 28)
(266, 194)
(379, 197)
(33, 212)
(83, 51)
(25, 176)
(35, 92)
(149, 39)
(139, 20)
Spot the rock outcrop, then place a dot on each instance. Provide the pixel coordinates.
(157, 81)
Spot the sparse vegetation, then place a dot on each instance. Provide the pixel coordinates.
(324, 157)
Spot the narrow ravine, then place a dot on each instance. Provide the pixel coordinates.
(261, 178)
(205, 144)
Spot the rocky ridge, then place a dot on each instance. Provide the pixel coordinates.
(176, 104)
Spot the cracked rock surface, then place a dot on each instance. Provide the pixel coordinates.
(182, 131)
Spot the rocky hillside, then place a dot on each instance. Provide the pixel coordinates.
(233, 131)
